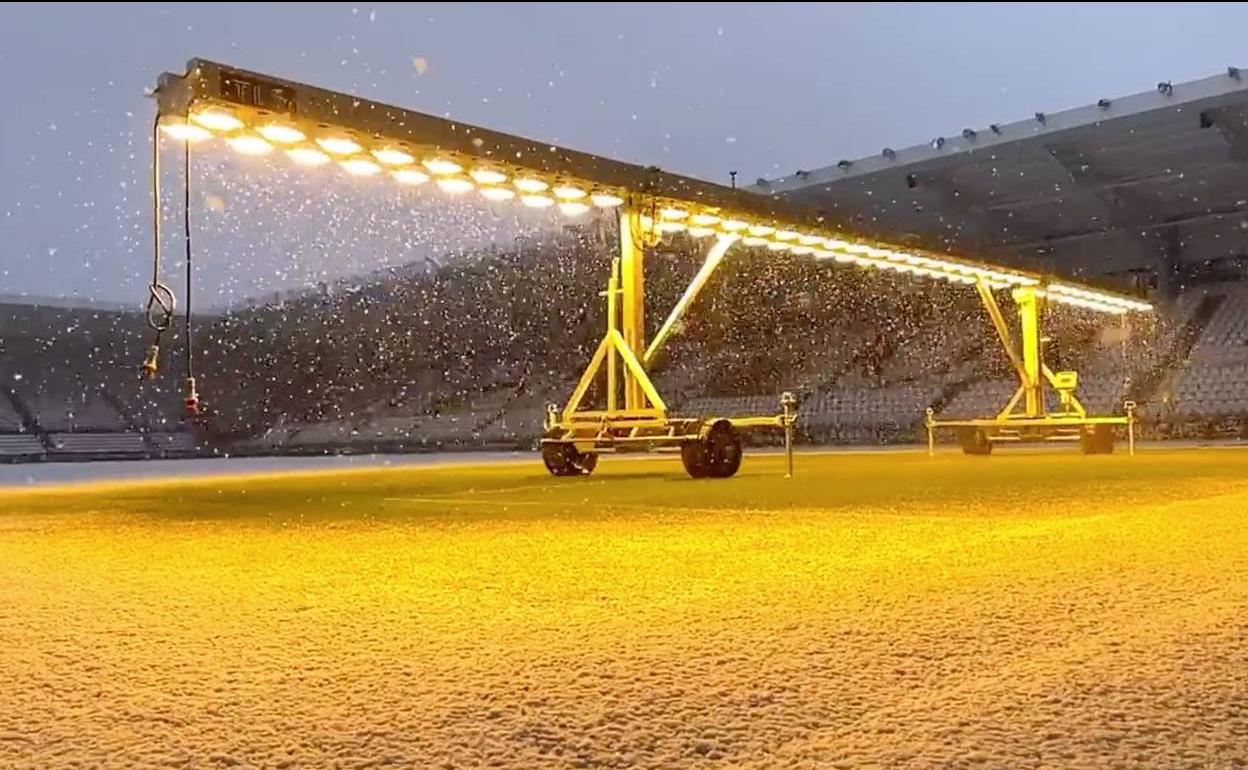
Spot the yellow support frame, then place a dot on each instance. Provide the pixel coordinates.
(1026, 415)
(632, 279)
(254, 99)
(625, 334)
(635, 411)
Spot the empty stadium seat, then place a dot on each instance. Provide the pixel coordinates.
(97, 445)
(180, 444)
(20, 446)
(10, 420)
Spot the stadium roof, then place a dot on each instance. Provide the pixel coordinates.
(1139, 181)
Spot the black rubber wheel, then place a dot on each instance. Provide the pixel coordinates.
(693, 455)
(974, 441)
(724, 450)
(586, 461)
(566, 460)
(1099, 440)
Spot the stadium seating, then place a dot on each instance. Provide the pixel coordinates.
(97, 445)
(983, 398)
(520, 425)
(10, 420)
(1208, 389)
(16, 447)
(179, 444)
(729, 406)
(470, 354)
(1212, 390)
(79, 409)
(1226, 335)
(898, 407)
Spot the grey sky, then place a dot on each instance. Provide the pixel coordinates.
(764, 89)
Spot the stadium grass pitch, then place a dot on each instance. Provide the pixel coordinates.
(891, 610)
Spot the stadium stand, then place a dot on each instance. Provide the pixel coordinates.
(168, 445)
(17, 442)
(1211, 386)
(79, 407)
(10, 420)
(71, 390)
(18, 447)
(117, 445)
(358, 390)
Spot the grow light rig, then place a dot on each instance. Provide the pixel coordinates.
(259, 115)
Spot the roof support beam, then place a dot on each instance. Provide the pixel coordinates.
(1082, 234)
(1119, 213)
(1232, 129)
(972, 224)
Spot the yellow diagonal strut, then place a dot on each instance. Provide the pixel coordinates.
(1003, 329)
(713, 258)
(1027, 363)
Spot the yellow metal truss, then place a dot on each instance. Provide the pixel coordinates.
(624, 335)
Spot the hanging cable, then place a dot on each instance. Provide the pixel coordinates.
(160, 299)
(192, 395)
(642, 237)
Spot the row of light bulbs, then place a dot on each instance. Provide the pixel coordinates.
(451, 177)
(447, 174)
(675, 220)
(1080, 297)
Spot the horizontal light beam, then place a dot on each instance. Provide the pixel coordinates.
(231, 102)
